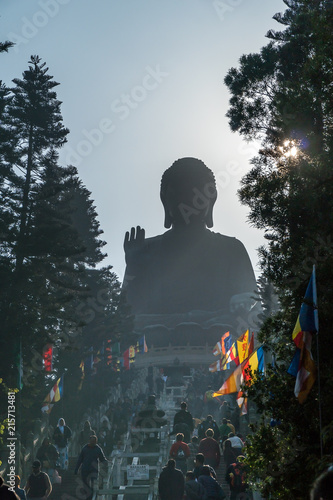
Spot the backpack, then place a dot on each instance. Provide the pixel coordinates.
(238, 480)
(180, 454)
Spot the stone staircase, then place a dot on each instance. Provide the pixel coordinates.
(220, 476)
(71, 487)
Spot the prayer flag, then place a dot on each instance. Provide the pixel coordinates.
(243, 372)
(242, 403)
(112, 351)
(48, 357)
(141, 345)
(226, 342)
(54, 395)
(216, 366)
(126, 360)
(82, 375)
(128, 357)
(132, 353)
(302, 364)
(222, 347)
(242, 346)
(232, 354)
(217, 349)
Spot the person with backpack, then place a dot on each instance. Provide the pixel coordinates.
(180, 451)
(208, 423)
(236, 478)
(193, 446)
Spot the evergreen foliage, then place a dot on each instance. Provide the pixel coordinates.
(53, 289)
(283, 96)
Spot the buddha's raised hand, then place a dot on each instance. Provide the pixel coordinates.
(134, 242)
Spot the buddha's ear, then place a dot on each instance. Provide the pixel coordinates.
(167, 220)
(167, 216)
(209, 216)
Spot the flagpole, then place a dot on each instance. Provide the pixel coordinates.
(63, 393)
(318, 362)
(319, 400)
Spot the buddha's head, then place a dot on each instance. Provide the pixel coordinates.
(188, 193)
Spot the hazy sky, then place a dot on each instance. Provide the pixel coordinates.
(141, 83)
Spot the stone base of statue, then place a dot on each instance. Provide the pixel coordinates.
(188, 339)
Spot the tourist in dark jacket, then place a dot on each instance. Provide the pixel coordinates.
(193, 489)
(171, 482)
(208, 423)
(85, 434)
(61, 437)
(89, 458)
(212, 487)
(48, 455)
(229, 454)
(183, 422)
(199, 463)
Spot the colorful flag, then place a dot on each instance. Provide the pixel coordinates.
(243, 373)
(217, 349)
(242, 402)
(141, 345)
(216, 366)
(54, 395)
(82, 375)
(132, 353)
(302, 365)
(250, 347)
(242, 346)
(232, 353)
(226, 342)
(112, 351)
(222, 347)
(226, 345)
(48, 357)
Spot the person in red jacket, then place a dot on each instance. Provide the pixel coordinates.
(179, 451)
(210, 449)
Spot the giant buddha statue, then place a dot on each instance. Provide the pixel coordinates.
(189, 275)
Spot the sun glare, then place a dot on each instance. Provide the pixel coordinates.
(289, 149)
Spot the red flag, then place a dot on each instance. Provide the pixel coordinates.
(47, 357)
(126, 359)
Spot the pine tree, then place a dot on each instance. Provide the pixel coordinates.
(283, 97)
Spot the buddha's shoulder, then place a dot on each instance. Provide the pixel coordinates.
(210, 237)
(222, 239)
